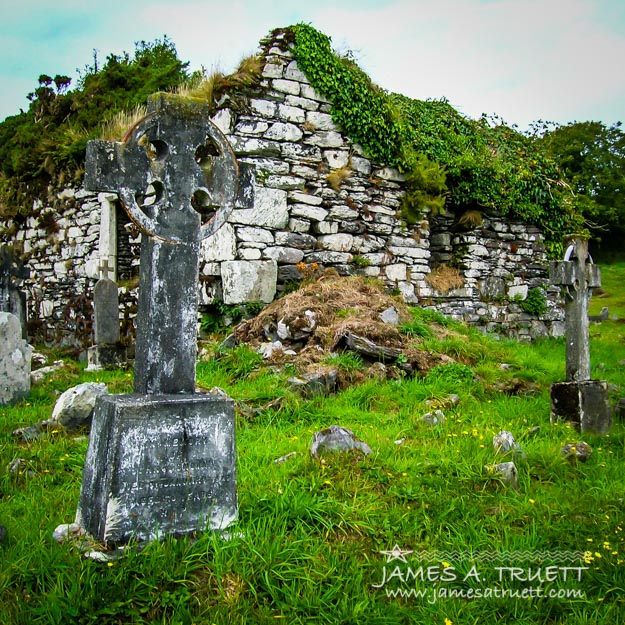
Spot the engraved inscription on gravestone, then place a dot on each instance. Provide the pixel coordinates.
(162, 459)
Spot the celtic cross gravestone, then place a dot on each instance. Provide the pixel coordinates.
(579, 400)
(162, 459)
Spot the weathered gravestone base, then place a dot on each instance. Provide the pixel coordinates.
(584, 404)
(104, 356)
(159, 465)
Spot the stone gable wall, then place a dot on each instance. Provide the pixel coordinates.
(309, 198)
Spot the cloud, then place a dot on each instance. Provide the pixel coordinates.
(521, 59)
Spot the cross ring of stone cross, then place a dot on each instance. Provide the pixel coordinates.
(185, 178)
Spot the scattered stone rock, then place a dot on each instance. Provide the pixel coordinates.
(504, 442)
(38, 375)
(434, 418)
(28, 433)
(298, 328)
(399, 441)
(67, 531)
(38, 360)
(73, 409)
(390, 315)
(336, 438)
(284, 458)
(580, 451)
(229, 343)
(602, 316)
(20, 466)
(506, 472)
(268, 350)
(533, 431)
(321, 382)
(370, 349)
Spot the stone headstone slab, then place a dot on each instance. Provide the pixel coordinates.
(584, 404)
(106, 309)
(159, 465)
(15, 355)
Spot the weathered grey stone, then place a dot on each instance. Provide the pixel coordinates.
(492, 288)
(38, 375)
(67, 532)
(270, 210)
(220, 246)
(390, 315)
(159, 465)
(284, 255)
(577, 451)
(106, 311)
(281, 131)
(336, 439)
(506, 472)
(579, 400)
(74, 408)
(15, 355)
(291, 87)
(336, 242)
(325, 139)
(305, 198)
(315, 213)
(292, 239)
(434, 418)
(504, 442)
(255, 234)
(248, 281)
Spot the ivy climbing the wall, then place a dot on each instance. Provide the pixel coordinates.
(449, 161)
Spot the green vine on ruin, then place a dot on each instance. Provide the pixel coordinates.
(449, 161)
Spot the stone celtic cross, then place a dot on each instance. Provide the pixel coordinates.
(162, 459)
(177, 178)
(580, 401)
(578, 275)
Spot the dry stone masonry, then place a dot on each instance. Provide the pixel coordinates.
(309, 199)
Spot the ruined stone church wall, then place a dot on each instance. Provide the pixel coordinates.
(309, 199)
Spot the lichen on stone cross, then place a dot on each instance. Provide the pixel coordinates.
(177, 178)
(578, 276)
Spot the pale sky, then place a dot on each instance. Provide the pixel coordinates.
(523, 60)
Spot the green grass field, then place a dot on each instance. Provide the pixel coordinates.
(310, 543)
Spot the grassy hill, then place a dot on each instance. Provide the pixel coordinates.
(315, 539)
